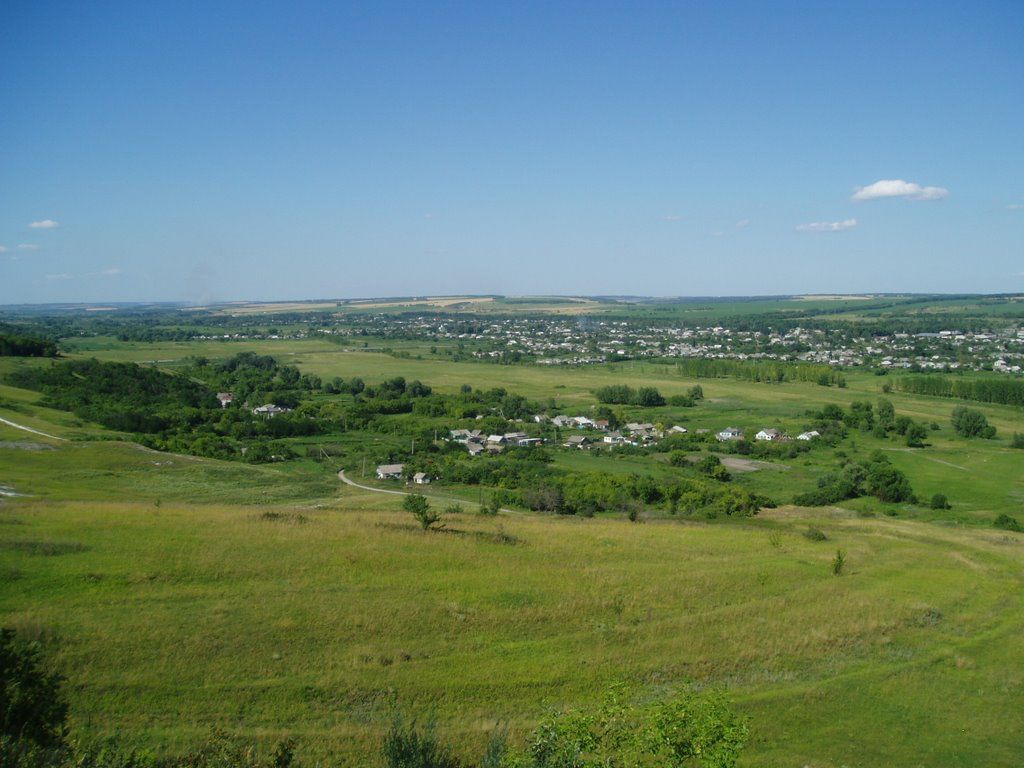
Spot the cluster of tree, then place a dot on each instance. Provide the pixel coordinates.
(875, 477)
(176, 412)
(256, 379)
(122, 396)
(968, 422)
(760, 370)
(693, 394)
(21, 345)
(623, 394)
(832, 422)
(526, 476)
(1003, 390)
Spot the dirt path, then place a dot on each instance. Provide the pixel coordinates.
(354, 484)
(29, 429)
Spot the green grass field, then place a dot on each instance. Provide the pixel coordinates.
(179, 593)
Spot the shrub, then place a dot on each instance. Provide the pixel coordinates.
(407, 746)
(1008, 523)
(939, 501)
(691, 729)
(815, 534)
(32, 706)
(838, 562)
(1017, 441)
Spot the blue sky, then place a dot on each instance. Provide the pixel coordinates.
(218, 151)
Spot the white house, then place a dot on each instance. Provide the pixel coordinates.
(808, 435)
(768, 435)
(677, 430)
(421, 478)
(269, 410)
(614, 438)
(390, 471)
(577, 441)
(730, 433)
(225, 398)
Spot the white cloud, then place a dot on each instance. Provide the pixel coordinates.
(112, 272)
(44, 224)
(827, 226)
(61, 276)
(671, 217)
(1015, 207)
(908, 190)
(742, 223)
(3, 249)
(28, 247)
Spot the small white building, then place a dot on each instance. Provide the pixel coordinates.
(730, 433)
(614, 438)
(808, 435)
(225, 398)
(421, 478)
(768, 435)
(269, 410)
(390, 471)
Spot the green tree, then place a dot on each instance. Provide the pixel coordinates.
(419, 507)
(971, 423)
(916, 434)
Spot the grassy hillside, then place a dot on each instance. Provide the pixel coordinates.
(316, 619)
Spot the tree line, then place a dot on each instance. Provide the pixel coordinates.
(770, 372)
(1004, 391)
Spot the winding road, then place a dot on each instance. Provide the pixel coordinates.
(360, 486)
(354, 484)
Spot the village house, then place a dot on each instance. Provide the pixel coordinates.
(474, 448)
(562, 421)
(269, 410)
(225, 398)
(526, 442)
(421, 478)
(808, 435)
(390, 471)
(578, 441)
(464, 435)
(730, 433)
(614, 438)
(768, 435)
(677, 430)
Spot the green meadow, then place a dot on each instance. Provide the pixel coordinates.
(179, 594)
